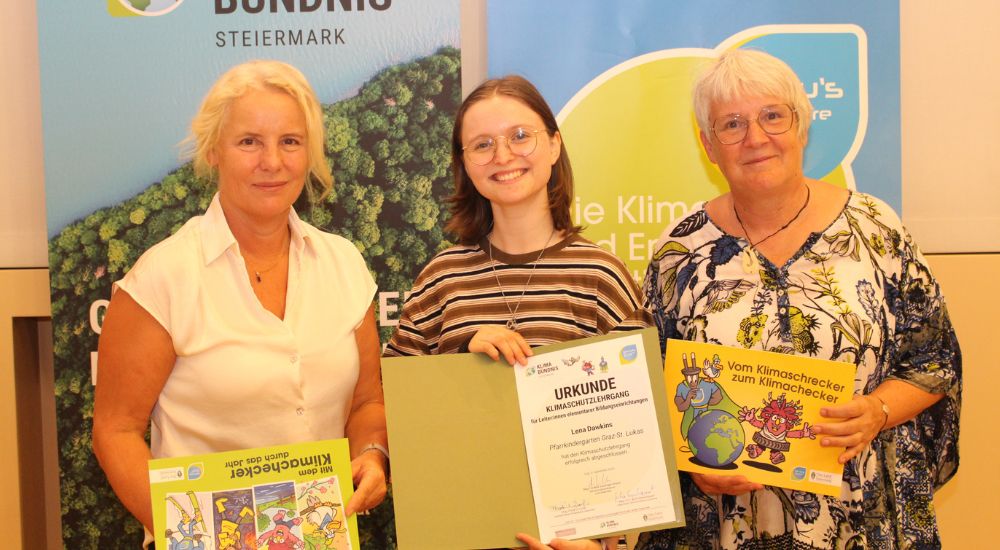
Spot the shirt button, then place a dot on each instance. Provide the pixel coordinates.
(300, 411)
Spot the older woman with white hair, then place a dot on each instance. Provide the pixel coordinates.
(786, 263)
(224, 336)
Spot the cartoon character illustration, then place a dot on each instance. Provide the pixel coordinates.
(321, 505)
(190, 526)
(712, 369)
(190, 540)
(696, 395)
(234, 521)
(775, 422)
(281, 537)
(569, 362)
(603, 364)
(321, 520)
(588, 367)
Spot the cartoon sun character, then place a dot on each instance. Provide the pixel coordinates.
(775, 422)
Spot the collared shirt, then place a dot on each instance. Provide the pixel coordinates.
(243, 377)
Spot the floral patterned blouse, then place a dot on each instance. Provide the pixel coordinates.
(859, 292)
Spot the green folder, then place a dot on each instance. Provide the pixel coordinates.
(459, 471)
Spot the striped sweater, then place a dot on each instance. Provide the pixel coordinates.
(577, 289)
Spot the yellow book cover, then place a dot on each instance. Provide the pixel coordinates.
(286, 496)
(748, 412)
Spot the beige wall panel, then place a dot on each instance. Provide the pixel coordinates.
(964, 511)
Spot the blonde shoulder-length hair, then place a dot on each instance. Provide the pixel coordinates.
(206, 126)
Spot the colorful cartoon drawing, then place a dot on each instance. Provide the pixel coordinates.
(588, 367)
(712, 369)
(233, 518)
(191, 533)
(321, 505)
(696, 395)
(281, 537)
(569, 362)
(276, 516)
(603, 364)
(775, 422)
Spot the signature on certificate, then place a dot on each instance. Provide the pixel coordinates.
(634, 494)
(599, 479)
(574, 505)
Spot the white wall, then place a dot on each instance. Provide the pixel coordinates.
(950, 119)
(22, 199)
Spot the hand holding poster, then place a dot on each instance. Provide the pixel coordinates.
(592, 440)
(460, 440)
(750, 413)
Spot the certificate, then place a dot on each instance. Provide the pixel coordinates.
(460, 464)
(592, 440)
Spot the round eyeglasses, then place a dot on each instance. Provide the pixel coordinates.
(520, 142)
(773, 119)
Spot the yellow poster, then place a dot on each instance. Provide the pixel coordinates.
(748, 412)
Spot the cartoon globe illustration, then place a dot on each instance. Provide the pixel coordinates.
(716, 438)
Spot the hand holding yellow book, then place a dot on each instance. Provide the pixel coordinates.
(747, 412)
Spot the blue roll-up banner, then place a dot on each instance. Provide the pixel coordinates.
(619, 77)
(120, 82)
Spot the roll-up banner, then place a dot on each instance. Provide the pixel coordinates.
(121, 80)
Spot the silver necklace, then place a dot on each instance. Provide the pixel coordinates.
(512, 322)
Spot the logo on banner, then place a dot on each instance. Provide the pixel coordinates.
(146, 8)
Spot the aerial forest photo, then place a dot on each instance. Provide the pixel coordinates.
(388, 147)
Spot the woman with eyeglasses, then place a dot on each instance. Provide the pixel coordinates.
(521, 275)
(791, 264)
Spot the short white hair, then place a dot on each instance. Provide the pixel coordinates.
(745, 73)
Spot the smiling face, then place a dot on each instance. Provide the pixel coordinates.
(261, 156)
(776, 425)
(510, 181)
(761, 162)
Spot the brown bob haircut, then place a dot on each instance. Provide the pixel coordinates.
(471, 215)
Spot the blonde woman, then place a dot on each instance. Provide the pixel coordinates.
(220, 337)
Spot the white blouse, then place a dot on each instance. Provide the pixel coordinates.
(244, 378)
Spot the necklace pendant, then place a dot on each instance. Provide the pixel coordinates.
(511, 324)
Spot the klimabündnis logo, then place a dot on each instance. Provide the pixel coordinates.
(147, 8)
